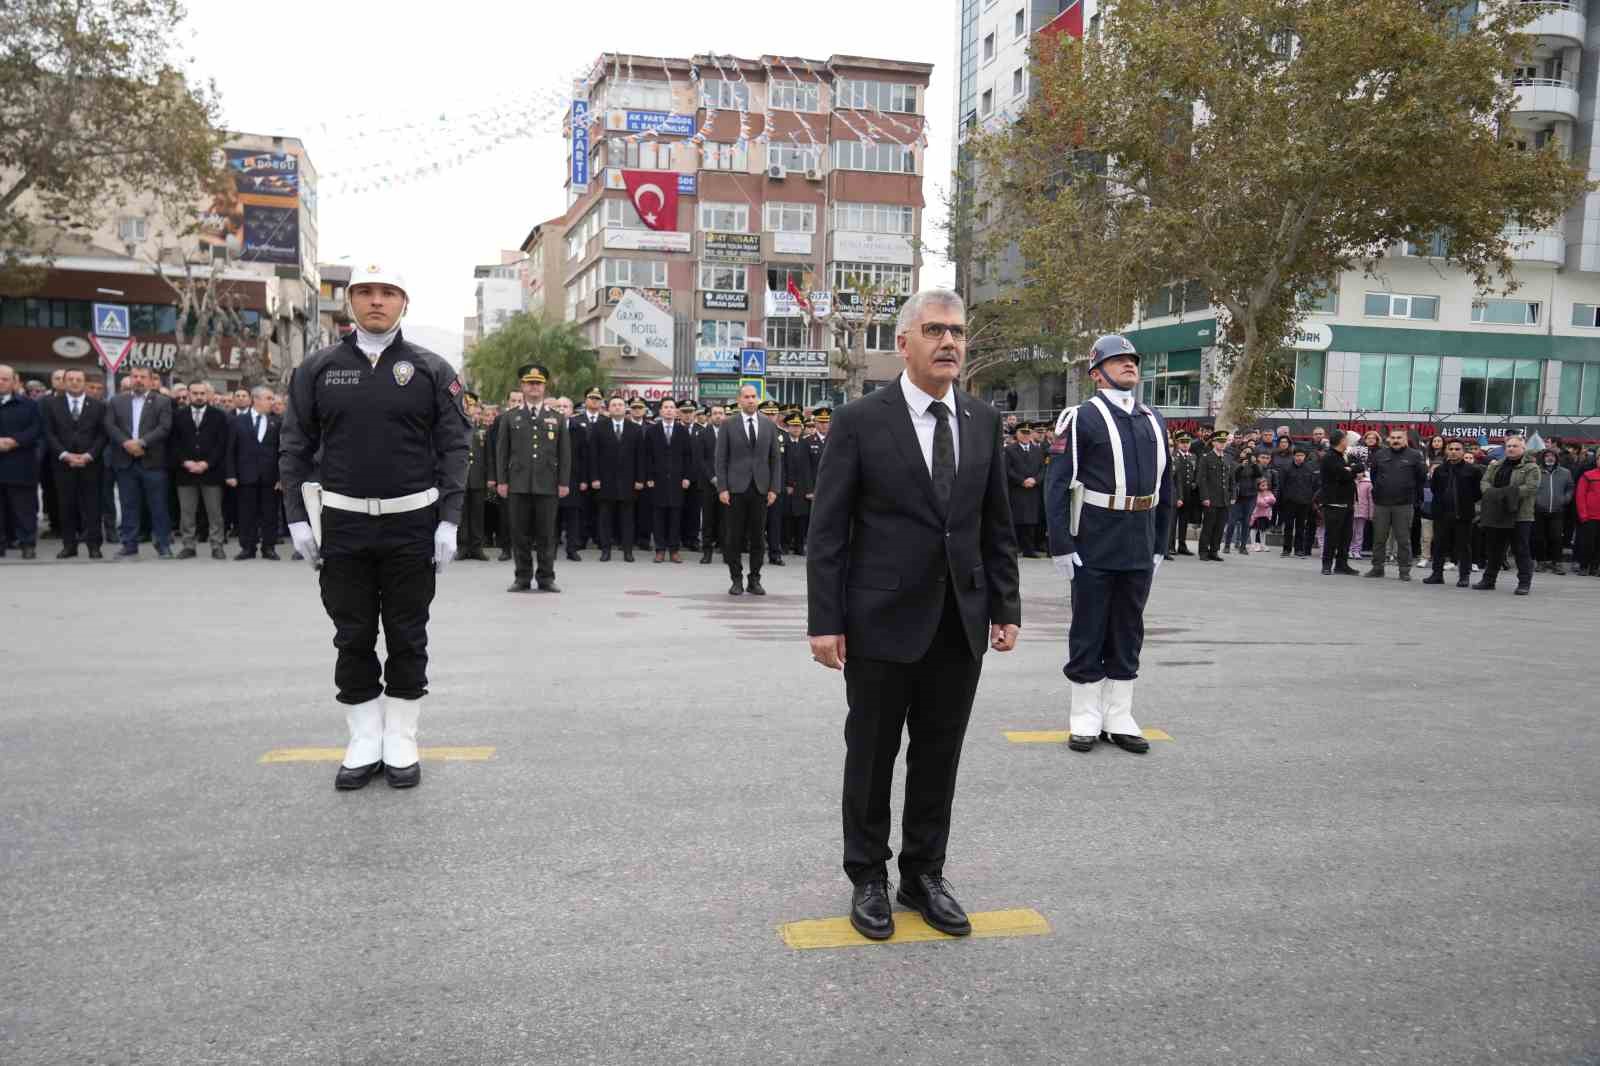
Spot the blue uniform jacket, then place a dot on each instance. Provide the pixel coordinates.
(1110, 540)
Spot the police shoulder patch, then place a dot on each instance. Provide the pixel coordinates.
(456, 386)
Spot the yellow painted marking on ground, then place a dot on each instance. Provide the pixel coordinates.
(1059, 736)
(336, 754)
(909, 928)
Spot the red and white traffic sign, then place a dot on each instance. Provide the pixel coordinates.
(112, 351)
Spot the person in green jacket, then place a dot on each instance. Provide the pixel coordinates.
(1506, 513)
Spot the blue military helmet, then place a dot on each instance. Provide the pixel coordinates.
(1109, 347)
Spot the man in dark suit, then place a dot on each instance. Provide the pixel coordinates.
(253, 470)
(502, 517)
(668, 463)
(201, 436)
(75, 428)
(712, 512)
(587, 421)
(478, 464)
(1025, 474)
(139, 422)
(689, 515)
(616, 476)
(799, 484)
(569, 512)
(912, 569)
(749, 467)
(22, 433)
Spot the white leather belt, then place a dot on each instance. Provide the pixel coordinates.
(373, 506)
(1110, 502)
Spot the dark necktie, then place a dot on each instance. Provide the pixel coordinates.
(944, 454)
(77, 409)
(750, 431)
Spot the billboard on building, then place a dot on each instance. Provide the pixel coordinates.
(255, 216)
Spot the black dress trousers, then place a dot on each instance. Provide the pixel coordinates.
(379, 569)
(746, 530)
(931, 700)
(79, 491)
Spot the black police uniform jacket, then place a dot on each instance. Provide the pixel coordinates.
(798, 474)
(1106, 539)
(383, 431)
(1021, 465)
(478, 467)
(533, 453)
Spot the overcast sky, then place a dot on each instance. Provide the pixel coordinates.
(337, 75)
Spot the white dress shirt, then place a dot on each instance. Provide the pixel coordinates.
(924, 423)
(138, 413)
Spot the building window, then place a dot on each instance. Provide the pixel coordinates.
(716, 156)
(794, 96)
(1499, 387)
(1435, 247)
(725, 218)
(1182, 297)
(1321, 301)
(874, 218)
(780, 217)
(795, 157)
(621, 213)
(1019, 23)
(1016, 82)
(878, 95)
(724, 95)
(721, 333)
(1580, 389)
(1400, 305)
(1399, 383)
(643, 273)
(1506, 312)
(778, 278)
(719, 278)
(887, 277)
(878, 158)
(131, 230)
(1586, 316)
(880, 337)
(1172, 379)
(986, 102)
(639, 95)
(988, 48)
(787, 333)
(1295, 380)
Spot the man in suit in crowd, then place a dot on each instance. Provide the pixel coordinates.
(22, 433)
(749, 467)
(689, 523)
(491, 443)
(1025, 475)
(616, 477)
(253, 470)
(911, 576)
(478, 464)
(76, 433)
(799, 484)
(139, 422)
(712, 512)
(201, 436)
(780, 507)
(668, 459)
(569, 513)
(586, 421)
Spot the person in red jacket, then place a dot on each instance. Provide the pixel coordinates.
(1587, 497)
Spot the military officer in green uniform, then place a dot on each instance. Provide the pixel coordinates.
(477, 485)
(533, 466)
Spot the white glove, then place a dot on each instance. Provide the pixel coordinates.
(305, 543)
(1157, 569)
(1065, 564)
(444, 546)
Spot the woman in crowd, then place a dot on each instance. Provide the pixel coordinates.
(1361, 523)
(1261, 517)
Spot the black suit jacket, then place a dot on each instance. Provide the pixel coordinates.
(740, 467)
(208, 443)
(249, 461)
(705, 454)
(881, 553)
(155, 426)
(667, 465)
(615, 464)
(86, 434)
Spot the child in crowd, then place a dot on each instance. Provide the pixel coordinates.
(1363, 513)
(1261, 517)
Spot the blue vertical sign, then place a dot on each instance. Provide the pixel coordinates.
(580, 143)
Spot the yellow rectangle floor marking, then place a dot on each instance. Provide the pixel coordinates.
(909, 928)
(336, 754)
(1059, 736)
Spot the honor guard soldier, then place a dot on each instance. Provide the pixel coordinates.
(384, 423)
(1109, 498)
(534, 464)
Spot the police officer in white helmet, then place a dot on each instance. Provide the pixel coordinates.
(1108, 495)
(384, 425)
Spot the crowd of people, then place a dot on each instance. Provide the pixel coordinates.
(190, 466)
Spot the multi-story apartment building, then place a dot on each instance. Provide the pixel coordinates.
(544, 250)
(783, 170)
(498, 292)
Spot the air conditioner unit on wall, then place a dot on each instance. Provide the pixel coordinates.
(777, 172)
(813, 173)
(628, 352)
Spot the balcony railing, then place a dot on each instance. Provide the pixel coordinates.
(1546, 83)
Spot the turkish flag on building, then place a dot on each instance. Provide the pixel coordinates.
(655, 196)
(799, 298)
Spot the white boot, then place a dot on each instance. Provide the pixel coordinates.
(366, 734)
(1122, 730)
(400, 733)
(1087, 711)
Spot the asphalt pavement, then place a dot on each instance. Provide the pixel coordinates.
(1371, 837)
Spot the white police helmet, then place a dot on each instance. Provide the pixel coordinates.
(1110, 346)
(377, 274)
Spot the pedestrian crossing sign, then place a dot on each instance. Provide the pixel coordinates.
(111, 320)
(753, 362)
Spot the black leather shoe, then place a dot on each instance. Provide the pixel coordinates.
(1434, 578)
(351, 777)
(870, 913)
(29, 552)
(1463, 582)
(67, 553)
(1376, 571)
(218, 553)
(549, 586)
(504, 557)
(1484, 586)
(705, 559)
(776, 560)
(270, 553)
(245, 554)
(755, 587)
(737, 588)
(574, 557)
(1128, 742)
(1405, 575)
(930, 896)
(187, 553)
(519, 586)
(94, 553)
(1347, 571)
(1522, 590)
(405, 776)
(1326, 571)
(1078, 743)
(1185, 551)
(161, 553)
(605, 555)
(627, 557)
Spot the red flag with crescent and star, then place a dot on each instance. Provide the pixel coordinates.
(655, 196)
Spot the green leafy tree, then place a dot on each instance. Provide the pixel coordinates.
(93, 112)
(1262, 147)
(574, 366)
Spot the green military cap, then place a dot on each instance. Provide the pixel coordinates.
(770, 408)
(822, 414)
(639, 405)
(794, 418)
(594, 391)
(533, 374)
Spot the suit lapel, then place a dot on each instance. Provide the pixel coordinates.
(969, 447)
(905, 438)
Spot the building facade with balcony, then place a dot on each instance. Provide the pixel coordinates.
(785, 171)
